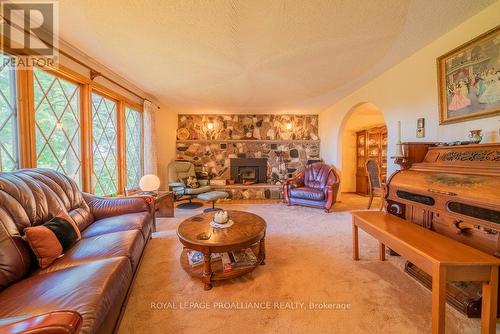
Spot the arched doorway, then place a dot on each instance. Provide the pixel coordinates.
(358, 141)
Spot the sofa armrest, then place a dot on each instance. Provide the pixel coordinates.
(57, 322)
(104, 207)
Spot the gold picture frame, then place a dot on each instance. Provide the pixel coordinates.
(469, 79)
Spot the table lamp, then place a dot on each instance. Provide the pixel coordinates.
(149, 184)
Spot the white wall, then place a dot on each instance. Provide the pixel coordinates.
(408, 91)
(166, 134)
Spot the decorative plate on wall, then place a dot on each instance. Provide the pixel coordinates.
(182, 134)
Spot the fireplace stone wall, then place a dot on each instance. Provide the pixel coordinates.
(285, 157)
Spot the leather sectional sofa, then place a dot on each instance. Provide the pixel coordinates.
(85, 289)
(317, 186)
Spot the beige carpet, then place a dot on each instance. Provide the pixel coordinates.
(308, 261)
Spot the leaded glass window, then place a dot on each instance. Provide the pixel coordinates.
(57, 123)
(104, 140)
(8, 117)
(133, 142)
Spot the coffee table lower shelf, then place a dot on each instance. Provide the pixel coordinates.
(217, 272)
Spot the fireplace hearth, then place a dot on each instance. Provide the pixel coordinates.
(249, 170)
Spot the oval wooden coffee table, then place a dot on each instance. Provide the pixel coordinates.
(195, 233)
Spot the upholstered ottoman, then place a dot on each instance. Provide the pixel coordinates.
(212, 196)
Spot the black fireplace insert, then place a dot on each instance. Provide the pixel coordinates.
(249, 170)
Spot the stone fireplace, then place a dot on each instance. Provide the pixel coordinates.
(277, 147)
(248, 170)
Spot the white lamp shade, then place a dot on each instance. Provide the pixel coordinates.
(149, 182)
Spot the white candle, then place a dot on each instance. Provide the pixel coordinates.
(399, 131)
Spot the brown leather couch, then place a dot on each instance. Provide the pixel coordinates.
(317, 186)
(85, 289)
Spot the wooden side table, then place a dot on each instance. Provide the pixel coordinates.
(164, 204)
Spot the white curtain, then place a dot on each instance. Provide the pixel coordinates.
(150, 161)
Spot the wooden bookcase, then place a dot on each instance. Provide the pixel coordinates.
(370, 144)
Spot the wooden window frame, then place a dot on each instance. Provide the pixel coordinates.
(26, 122)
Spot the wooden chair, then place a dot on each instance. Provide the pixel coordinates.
(376, 186)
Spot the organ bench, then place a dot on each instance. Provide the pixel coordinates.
(441, 257)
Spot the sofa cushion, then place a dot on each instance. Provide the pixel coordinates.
(308, 193)
(133, 221)
(50, 240)
(92, 289)
(126, 243)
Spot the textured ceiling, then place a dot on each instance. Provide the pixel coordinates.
(255, 55)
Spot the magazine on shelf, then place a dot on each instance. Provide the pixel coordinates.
(227, 265)
(243, 258)
(195, 258)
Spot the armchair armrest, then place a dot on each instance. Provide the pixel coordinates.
(105, 207)
(331, 189)
(296, 181)
(57, 322)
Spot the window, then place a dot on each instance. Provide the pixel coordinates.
(104, 139)
(8, 117)
(71, 124)
(57, 123)
(133, 143)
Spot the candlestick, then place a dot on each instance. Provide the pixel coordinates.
(399, 131)
(399, 145)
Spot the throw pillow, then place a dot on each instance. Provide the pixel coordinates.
(50, 240)
(190, 182)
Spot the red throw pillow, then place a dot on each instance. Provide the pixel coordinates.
(50, 240)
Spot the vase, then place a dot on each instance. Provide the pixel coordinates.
(475, 136)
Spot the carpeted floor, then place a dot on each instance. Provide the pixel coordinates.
(309, 283)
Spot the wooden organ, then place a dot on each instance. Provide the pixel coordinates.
(455, 191)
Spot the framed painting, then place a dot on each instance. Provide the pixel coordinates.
(469, 80)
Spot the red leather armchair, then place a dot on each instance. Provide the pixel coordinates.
(317, 186)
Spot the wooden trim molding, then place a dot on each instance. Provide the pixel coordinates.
(120, 155)
(86, 137)
(23, 119)
(76, 77)
(26, 117)
(93, 72)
